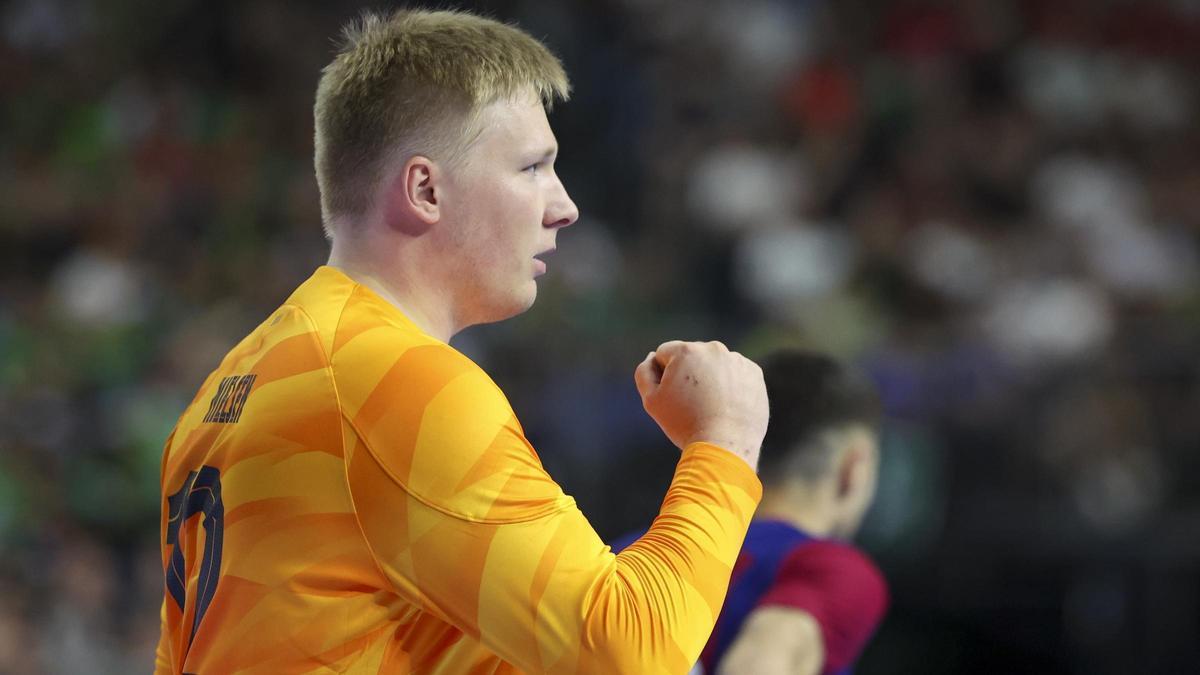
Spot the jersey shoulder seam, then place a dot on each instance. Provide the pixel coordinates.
(568, 503)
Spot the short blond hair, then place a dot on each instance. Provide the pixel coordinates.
(412, 83)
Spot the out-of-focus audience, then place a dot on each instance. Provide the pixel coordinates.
(993, 207)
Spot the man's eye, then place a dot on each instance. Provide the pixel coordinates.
(533, 167)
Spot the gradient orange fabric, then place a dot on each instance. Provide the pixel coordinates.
(349, 494)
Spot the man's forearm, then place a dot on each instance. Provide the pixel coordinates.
(676, 575)
(776, 641)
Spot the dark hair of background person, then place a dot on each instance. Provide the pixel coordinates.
(811, 395)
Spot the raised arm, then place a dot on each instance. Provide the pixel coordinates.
(467, 524)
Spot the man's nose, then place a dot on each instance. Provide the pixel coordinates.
(560, 210)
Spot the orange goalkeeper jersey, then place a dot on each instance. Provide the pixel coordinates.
(349, 494)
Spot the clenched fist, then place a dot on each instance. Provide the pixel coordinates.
(701, 391)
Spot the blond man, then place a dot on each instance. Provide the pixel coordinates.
(349, 493)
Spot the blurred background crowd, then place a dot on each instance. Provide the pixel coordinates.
(991, 207)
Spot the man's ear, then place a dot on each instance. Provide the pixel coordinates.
(849, 468)
(858, 462)
(413, 200)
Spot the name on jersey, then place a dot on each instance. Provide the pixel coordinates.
(226, 405)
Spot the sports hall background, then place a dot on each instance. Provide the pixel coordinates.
(992, 207)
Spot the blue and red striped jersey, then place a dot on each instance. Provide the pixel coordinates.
(780, 565)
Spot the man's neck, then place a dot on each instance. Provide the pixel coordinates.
(807, 512)
(394, 283)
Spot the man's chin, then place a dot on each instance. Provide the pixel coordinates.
(525, 303)
(514, 305)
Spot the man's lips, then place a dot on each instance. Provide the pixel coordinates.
(539, 265)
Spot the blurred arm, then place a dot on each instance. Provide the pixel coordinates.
(826, 588)
(776, 641)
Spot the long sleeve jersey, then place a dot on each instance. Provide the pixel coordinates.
(349, 494)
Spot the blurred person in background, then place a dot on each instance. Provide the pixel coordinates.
(348, 491)
(802, 601)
